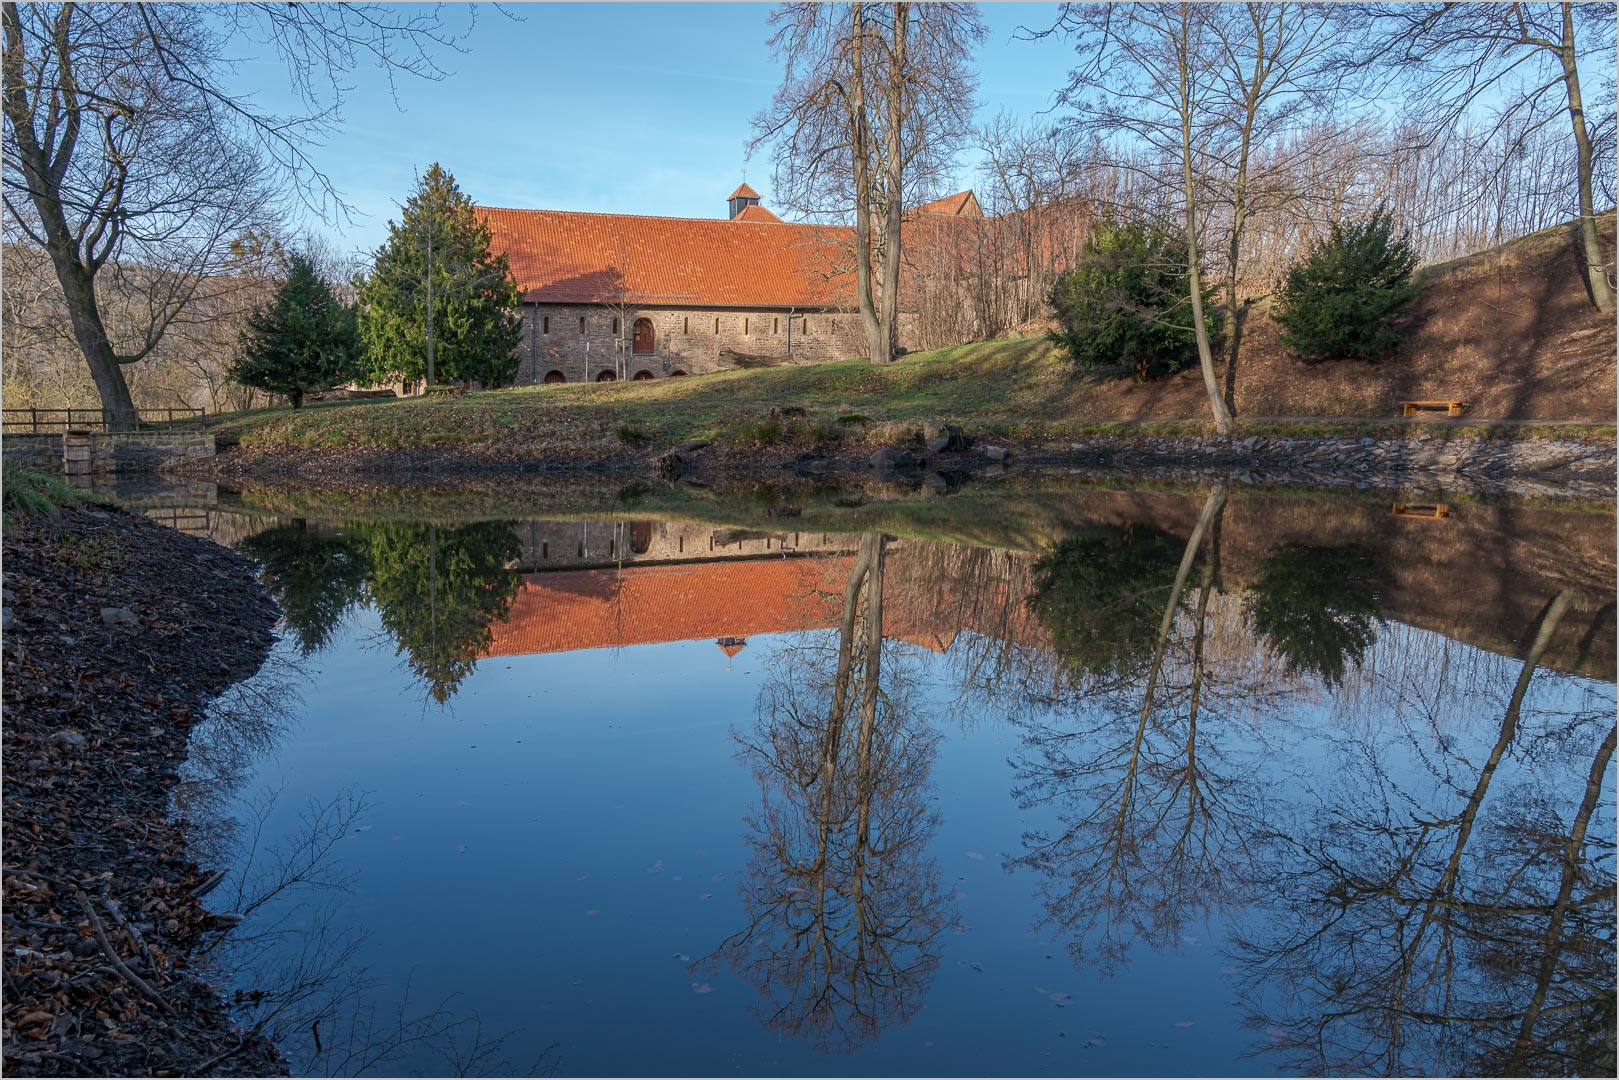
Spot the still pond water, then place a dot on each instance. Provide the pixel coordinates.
(1182, 782)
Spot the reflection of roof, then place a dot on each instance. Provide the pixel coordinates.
(560, 611)
(756, 260)
(640, 605)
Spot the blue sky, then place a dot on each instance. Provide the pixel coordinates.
(633, 108)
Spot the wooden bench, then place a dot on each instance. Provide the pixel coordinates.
(1427, 511)
(1449, 408)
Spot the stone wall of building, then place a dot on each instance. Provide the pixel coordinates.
(571, 545)
(688, 341)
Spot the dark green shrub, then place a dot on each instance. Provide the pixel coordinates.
(1340, 300)
(1129, 302)
(628, 433)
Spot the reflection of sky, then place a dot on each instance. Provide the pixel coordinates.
(547, 846)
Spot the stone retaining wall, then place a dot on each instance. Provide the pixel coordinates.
(114, 452)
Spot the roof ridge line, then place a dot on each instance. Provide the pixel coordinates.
(655, 217)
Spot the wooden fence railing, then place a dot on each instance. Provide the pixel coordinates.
(37, 421)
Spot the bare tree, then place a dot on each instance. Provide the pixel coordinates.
(126, 156)
(1526, 57)
(875, 102)
(1208, 88)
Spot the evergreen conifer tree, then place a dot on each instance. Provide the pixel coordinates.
(1128, 302)
(475, 326)
(304, 339)
(1340, 300)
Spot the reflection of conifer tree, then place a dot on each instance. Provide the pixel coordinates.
(316, 574)
(1102, 597)
(844, 905)
(1154, 828)
(437, 590)
(1445, 930)
(1316, 609)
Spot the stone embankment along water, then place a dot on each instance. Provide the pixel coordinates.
(109, 452)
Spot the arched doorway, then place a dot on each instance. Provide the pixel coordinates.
(554, 376)
(643, 342)
(643, 376)
(640, 537)
(606, 376)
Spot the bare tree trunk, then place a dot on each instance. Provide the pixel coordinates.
(1596, 268)
(1205, 355)
(895, 208)
(860, 134)
(44, 167)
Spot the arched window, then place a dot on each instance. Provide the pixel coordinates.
(554, 376)
(606, 376)
(643, 376)
(643, 343)
(640, 537)
(676, 373)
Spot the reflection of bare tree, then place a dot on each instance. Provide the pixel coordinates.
(1155, 827)
(844, 905)
(1450, 930)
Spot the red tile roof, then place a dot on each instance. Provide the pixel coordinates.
(755, 212)
(566, 257)
(961, 204)
(742, 192)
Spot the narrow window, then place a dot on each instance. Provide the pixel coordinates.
(745, 327)
(545, 326)
(615, 325)
(682, 543)
(806, 324)
(545, 549)
(688, 325)
(775, 326)
(581, 549)
(716, 324)
(581, 324)
(610, 544)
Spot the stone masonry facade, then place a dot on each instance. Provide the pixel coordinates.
(684, 341)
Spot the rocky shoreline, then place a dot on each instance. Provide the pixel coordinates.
(118, 633)
(1529, 467)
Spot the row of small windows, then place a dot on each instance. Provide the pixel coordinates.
(645, 326)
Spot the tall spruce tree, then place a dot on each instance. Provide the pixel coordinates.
(440, 249)
(304, 339)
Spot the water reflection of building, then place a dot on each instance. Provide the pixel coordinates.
(717, 594)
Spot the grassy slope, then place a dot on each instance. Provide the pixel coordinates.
(1511, 331)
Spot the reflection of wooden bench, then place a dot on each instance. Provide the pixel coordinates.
(1449, 408)
(1429, 511)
